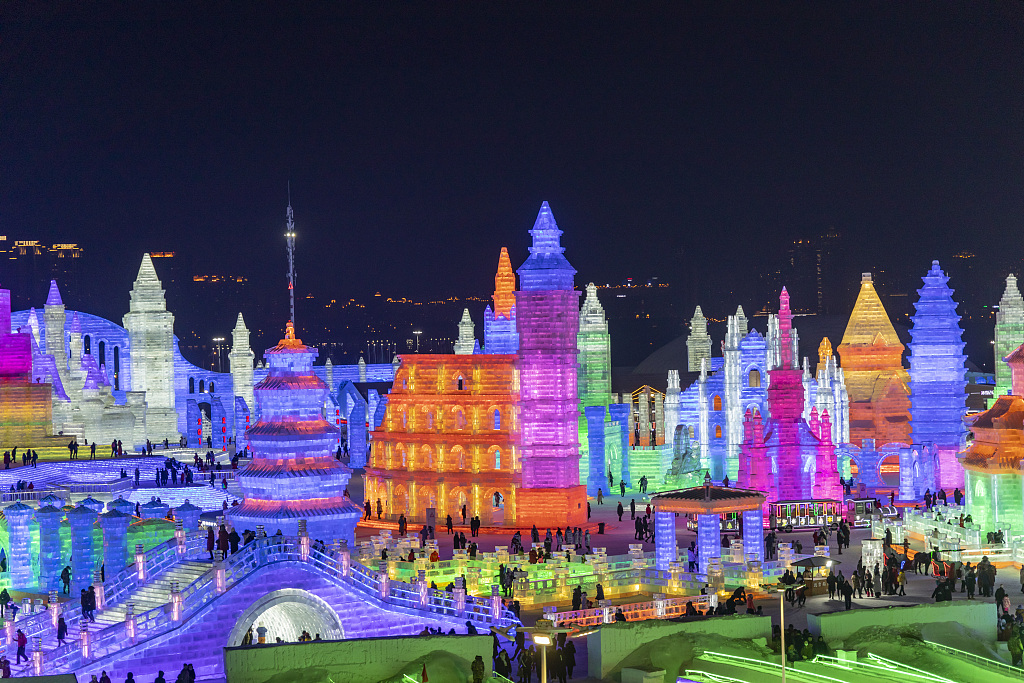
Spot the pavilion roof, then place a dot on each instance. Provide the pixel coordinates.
(708, 499)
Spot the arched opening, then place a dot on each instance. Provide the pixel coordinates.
(497, 458)
(86, 345)
(718, 431)
(889, 470)
(459, 418)
(754, 379)
(103, 352)
(426, 457)
(117, 367)
(457, 458)
(286, 613)
(202, 386)
(211, 387)
(400, 501)
(497, 419)
(191, 385)
(717, 403)
(460, 383)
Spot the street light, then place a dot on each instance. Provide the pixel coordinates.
(417, 333)
(543, 633)
(218, 341)
(782, 629)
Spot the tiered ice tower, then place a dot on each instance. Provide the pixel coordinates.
(151, 338)
(293, 474)
(938, 377)
(547, 311)
(698, 343)
(241, 358)
(786, 398)
(466, 342)
(595, 376)
(500, 335)
(1009, 334)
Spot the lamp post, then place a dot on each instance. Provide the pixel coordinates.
(543, 634)
(417, 333)
(218, 343)
(782, 629)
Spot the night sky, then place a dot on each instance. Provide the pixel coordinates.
(687, 142)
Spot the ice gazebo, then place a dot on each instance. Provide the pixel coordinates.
(707, 503)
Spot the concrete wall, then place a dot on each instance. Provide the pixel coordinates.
(613, 643)
(838, 626)
(359, 661)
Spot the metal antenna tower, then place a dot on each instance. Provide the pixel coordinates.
(290, 237)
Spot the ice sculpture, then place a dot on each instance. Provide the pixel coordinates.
(872, 361)
(25, 406)
(938, 376)
(293, 474)
(1009, 334)
(151, 337)
(467, 335)
(240, 357)
(698, 343)
(500, 335)
(547, 320)
(447, 440)
(595, 376)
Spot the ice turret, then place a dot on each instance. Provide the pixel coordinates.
(698, 344)
(1009, 334)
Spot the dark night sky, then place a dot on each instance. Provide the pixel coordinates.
(420, 138)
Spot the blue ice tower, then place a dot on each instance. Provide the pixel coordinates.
(115, 540)
(938, 378)
(597, 476)
(49, 518)
(19, 517)
(83, 559)
(620, 414)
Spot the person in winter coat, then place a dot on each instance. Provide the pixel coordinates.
(62, 631)
(223, 542)
(210, 541)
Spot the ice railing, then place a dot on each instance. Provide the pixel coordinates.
(659, 608)
(940, 528)
(257, 554)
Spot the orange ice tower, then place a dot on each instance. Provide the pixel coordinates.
(504, 286)
(872, 361)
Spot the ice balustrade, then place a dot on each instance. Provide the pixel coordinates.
(194, 597)
(659, 608)
(940, 528)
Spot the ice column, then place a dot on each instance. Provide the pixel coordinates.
(83, 560)
(598, 475)
(619, 413)
(19, 516)
(664, 539)
(115, 540)
(49, 519)
(189, 516)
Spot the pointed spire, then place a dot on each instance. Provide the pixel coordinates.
(76, 325)
(467, 332)
(824, 351)
(240, 323)
(741, 322)
(869, 318)
(546, 269)
(53, 297)
(545, 233)
(698, 343)
(504, 286)
(592, 316)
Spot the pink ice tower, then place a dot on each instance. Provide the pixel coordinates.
(293, 474)
(786, 456)
(547, 319)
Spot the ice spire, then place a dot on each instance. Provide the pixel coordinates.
(698, 344)
(53, 297)
(1009, 334)
(504, 286)
(467, 332)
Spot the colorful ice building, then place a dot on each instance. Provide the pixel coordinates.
(498, 432)
(25, 406)
(992, 463)
(294, 475)
(448, 439)
(786, 456)
(938, 395)
(1009, 334)
(871, 356)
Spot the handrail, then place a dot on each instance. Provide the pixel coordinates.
(1002, 667)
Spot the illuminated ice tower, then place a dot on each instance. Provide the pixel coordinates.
(698, 344)
(547, 309)
(293, 474)
(500, 335)
(595, 374)
(938, 377)
(151, 339)
(1009, 334)
(240, 358)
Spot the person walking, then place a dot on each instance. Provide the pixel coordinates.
(211, 542)
(223, 542)
(903, 582)
(62, 631)
(622, 488)
(619, 510)
(600, 501)
(22, 640)
(632, 508)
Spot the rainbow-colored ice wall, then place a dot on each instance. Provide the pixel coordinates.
(26, 409)
(938, 377)
(547, 309)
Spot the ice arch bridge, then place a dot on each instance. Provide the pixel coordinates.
(175, 606)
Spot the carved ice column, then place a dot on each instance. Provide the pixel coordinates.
(115, 540)
(19, 516)
(83, 560)
(49, 519)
